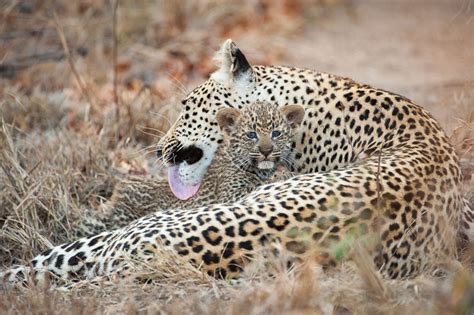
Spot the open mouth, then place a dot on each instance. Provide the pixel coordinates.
(178, 161)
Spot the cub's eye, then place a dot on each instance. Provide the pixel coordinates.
(252, 135)
(276, 134)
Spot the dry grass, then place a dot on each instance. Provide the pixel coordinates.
(63, 148)
(175, 287)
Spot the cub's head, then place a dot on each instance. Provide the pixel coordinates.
(260, 135)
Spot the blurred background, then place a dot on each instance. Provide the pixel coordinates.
(88, 87)
(423, 49)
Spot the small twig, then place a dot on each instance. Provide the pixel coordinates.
(6, 11)
(114, 61)
(374, 283)
(28, 173)
(80, 82)
(131, 104)
(139, 93)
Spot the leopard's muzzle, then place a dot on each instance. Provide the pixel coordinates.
(178, 154)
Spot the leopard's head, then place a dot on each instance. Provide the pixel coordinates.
(189, 146)
(259, 137)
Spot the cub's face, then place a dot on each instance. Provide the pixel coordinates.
(260, 136)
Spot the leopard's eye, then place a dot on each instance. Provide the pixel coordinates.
(252, 135)
(276, 134)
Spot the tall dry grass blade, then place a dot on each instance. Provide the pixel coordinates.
(115, 70)
(82, 85)
(375, 285)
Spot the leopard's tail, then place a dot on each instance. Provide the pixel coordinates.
(69, 262)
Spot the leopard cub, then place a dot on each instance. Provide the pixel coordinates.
(258, 138)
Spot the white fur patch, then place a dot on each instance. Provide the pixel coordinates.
(244, 83)
(265, 165)
(224, 75)
(192, 174)
(223, 60)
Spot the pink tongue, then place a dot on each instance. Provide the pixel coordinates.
(180, 190)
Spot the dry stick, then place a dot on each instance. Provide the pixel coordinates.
(80, 82)
(375, 286)
(114, 61)
(131, 122)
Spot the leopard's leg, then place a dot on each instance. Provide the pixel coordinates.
(89, 223)
(132, 198)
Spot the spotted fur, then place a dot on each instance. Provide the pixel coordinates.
(234, 174)
(405, 190)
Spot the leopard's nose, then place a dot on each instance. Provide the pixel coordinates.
(191, 155)
(266, 150)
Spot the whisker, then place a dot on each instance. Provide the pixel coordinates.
(158, 163)
(241, 162)
(150, 134)
(288, 161)
(160, 132)
(149, 148)
(182, 88)
(144, 154)
(162, 116)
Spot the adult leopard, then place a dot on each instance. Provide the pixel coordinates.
(372, 162)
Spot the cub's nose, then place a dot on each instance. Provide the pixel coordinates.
(266, 150)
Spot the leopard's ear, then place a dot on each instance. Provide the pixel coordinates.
(234, 69)
(294, 114)
(227, 118)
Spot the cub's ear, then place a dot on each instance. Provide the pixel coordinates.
(294, 114)
(227, 118)
(234, 69)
